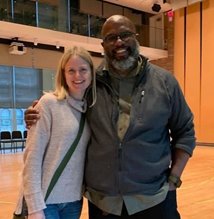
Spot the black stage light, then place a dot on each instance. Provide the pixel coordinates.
(156, 8)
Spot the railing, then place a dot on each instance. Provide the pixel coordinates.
(66, 19)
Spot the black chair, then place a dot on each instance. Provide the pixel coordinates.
(16, 139)
(25, 136)
(5, 138)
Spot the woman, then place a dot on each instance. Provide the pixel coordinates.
(51, 137)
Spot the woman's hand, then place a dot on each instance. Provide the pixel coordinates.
(37, 215)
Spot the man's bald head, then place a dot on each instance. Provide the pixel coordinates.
(117, 20)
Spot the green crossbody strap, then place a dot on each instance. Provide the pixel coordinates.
(66, 158)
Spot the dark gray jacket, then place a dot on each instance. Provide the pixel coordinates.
(160, 120)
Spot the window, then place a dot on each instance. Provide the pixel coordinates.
(18, 88)
(5, 120)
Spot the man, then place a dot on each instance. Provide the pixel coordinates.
(142, 133)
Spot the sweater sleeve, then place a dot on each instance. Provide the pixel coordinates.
(36, 144)
(181, 120)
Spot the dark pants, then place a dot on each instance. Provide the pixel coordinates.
(165, 210)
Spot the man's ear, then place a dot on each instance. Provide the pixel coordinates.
(102, 44)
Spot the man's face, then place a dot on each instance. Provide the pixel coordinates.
(120, 45)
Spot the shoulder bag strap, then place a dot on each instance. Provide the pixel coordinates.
(66, 158)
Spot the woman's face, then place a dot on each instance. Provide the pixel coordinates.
(78, 76)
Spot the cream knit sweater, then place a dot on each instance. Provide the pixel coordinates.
(47, 143)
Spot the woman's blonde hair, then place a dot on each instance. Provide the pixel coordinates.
(61, 88)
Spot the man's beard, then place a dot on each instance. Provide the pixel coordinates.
(124, 65)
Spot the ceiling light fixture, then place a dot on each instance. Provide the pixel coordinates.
(35, 42)
(57, 45)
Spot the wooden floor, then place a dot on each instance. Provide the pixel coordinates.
(195, 197)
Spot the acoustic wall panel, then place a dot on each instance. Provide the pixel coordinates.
(179, 69)
(194, 46)
(207, 81)
(193, 62)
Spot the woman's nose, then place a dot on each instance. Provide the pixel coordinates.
(77, 74)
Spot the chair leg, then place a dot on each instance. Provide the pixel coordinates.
(23, 144)
(4, 148)
(12, 147)
(15, 147)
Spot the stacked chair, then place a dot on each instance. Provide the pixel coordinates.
(5, 140)
(12, 140)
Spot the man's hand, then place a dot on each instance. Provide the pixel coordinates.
(171, 186)
(31, 115)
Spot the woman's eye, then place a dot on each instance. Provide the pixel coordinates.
(83, 70)
(71, 71)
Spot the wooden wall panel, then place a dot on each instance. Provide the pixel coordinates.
(192, 68)
(194, 64)
(207, 82)
(179, 47)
